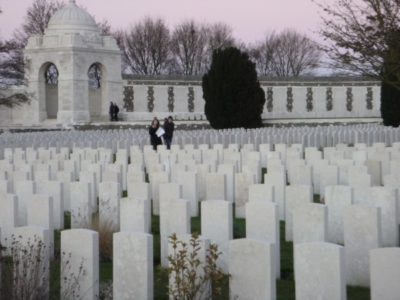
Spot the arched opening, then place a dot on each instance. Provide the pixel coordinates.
(96, 73)
(51, 90)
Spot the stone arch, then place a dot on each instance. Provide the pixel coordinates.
(48, 89)
(97, 86)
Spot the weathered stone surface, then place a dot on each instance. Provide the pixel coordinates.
(174, 218)
(133, 266)
(262, 223)
(218, 214)
(337, 198)
(261, 192)
(362, 232)
(251, 270)
(81, 208)
(385, 273)
(80, 253)
(109, 197)
(242, 183)
(296, 195)
(216, 187)
(310, 223)
(319, 271)
(135, 215)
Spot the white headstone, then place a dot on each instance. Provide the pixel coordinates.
(80, 252)
(216, 187)
(337, 198)
(296, 195)
(362, 232)
(174, 218)
(319, 271)
(262, 223)
(310, 223)
(133, 266)
(218, 214)
(54, 189)
(135, 215)
(251, 270)
(109, 196)
(385, 273)
(81, 206)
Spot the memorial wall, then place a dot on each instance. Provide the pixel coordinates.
(316, 98)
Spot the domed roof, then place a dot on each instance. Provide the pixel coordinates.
(71, 19)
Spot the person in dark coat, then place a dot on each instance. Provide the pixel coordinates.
(154, 139)
(111, 111)
(116, 111)
(169, 128)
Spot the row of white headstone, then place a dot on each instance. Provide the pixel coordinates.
(317, 136)
(112, 191)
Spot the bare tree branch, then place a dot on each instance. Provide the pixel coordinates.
(145, 46)
(288, 54)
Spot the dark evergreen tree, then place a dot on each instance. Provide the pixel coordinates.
(232, 92)
(390, 104)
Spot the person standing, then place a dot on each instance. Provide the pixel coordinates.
(169, 128)
(111, 111)
(116, 111)
(155, 140)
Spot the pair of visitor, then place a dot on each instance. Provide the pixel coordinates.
(156, 132)
(113, 111)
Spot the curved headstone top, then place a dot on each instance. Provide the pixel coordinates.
(71, 19)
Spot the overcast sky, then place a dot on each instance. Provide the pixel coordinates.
(250, 19)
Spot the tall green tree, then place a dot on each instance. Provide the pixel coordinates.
(232, 92)
(364, 38)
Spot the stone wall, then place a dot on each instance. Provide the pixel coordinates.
(316, 98)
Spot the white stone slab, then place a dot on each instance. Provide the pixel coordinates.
(262, 192)
(54, 189)
(229, 171)
(135, 215)
(242, 183)
(133, 266)
(262, 223)
(188, 182)
(80, 248)
(296, 195)
(24, 191)
(319, 271)
(155, 180)
(81, 205)
(218, 214)
(109, 197)
(216, 187)
(251, 270)
(277, 179)
(337, 199)
(8, 217)
(310, 223)
(385, 273)
(362, 232)
(174, 218)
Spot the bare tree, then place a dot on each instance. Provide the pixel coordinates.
(36, 20)
(145, 46)
(189, 48)
(11, 73)
(288, 54)
(364, 37)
